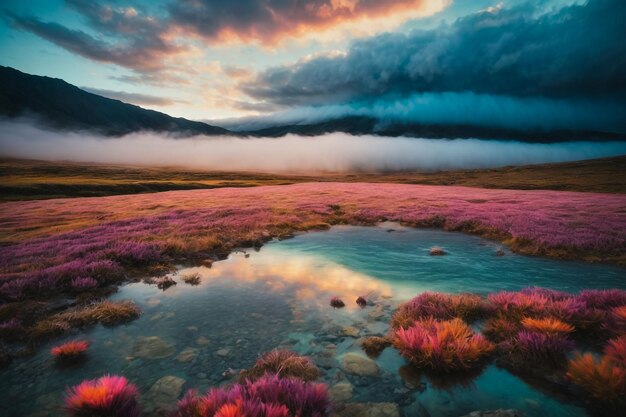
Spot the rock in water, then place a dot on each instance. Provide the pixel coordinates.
(356, 364)
(341, 392)
(165, 392)
(152, 347)
(350, 331)
(187, 355)
(223, 352)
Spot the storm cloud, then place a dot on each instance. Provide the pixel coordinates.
(534, 114)
(573, 51)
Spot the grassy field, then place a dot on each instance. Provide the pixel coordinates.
(33, 180)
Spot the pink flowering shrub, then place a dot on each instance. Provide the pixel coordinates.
(499, 329)
(53, 242)
(601, 379)
(518, 304)
(618, 320)
(269, 396)
(538, 347)
(283, 363)
(61, 276)
(11, 329)
(442, 306)
(615, 350)
(84, 283)
(441, 345)
(110, 396)
(603, 299)
(70, 350)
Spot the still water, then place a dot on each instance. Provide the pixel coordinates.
(197, 336)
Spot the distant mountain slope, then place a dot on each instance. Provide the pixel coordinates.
(63, 105)
(363, 125)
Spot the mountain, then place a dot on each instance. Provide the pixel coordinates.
(62, 105)
(363, 125)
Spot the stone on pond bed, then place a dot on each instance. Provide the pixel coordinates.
(202, 341)
(165, 392)
(223, 352)
(355, 364)
(187, 355)
(350, 331)
(152, 347)
(341, 392)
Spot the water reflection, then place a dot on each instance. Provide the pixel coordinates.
(311, 280)
(279, 297)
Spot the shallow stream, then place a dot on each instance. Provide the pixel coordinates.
(189, 336)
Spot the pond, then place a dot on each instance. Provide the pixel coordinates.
(197, 336)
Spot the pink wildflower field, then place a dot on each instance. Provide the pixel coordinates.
(48, 244)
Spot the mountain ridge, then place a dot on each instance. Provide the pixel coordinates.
(62, 105)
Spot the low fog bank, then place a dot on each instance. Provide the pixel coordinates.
(333, 152)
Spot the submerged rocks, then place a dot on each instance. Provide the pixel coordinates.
(163, 393)
(202, 341)
(187, 355)
(355, 364)
(376, 313)
(350, 331)
(152, 347)
(341, 392)
(223, 352)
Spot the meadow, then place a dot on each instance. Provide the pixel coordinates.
(61, 258)
(34, 179)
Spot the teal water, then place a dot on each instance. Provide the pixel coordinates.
(278, 297)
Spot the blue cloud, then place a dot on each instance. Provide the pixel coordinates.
(527, 50)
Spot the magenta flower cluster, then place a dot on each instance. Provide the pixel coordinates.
(269, 396)
(47, 244)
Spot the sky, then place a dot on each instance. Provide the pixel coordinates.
(544, 63)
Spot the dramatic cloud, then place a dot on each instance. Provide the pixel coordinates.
(135, 98)
(267, 21)
(465, 109)
(131, 40)
(572, 51)
(333, 152)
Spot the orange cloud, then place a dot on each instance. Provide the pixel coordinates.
(269, 22)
